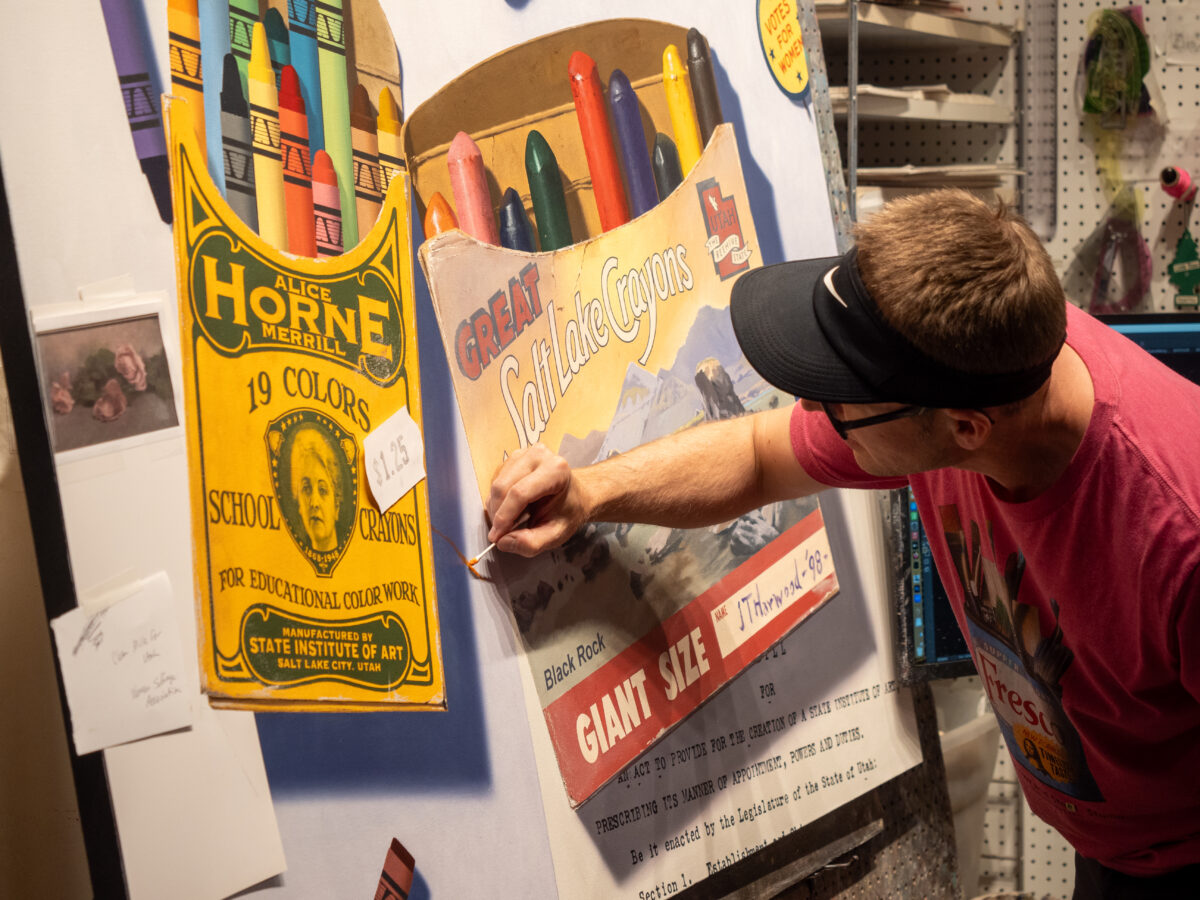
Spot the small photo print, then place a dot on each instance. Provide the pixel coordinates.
(105, 381)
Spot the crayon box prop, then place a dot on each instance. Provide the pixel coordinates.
(288, 364)
(593, 350)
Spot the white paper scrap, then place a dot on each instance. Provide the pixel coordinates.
(122, 667)
(394, 456)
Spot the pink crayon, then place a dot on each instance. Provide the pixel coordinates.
(327, 206)
(472, 199)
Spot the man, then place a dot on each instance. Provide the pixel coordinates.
(1054, 465)
(317, 487)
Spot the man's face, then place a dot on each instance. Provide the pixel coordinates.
(318, 504)
(898, 447)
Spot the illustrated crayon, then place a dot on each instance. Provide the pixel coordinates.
(395, 881)
(264, 133)
(327, 206)
(471, 196)
(515, 233)
(631, 137)
(335, 105)
(592, 113)
(391, 150)
(704, 85)
(439, 216)
(137, 74)
(237, 145)
(665, 162)
(214, 44)
(297, 166)
(546, 194)
(242, 16)
(302, 34)
(183, 27)
(278, 42)
(681, 108)
(368, 183)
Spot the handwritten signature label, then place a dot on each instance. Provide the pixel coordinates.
(750, 609)
(123, 668)
(394, 456)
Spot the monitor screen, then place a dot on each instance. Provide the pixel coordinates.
(1171, 337)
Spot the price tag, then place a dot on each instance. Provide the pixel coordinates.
(395, 458)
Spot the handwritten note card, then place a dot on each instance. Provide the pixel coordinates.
(394, 457)
(123, 668)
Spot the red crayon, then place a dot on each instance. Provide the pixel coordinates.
(297, 166)
(327, 206)
(396, 880)
(592, 112)
(471, 196)
(439, 216)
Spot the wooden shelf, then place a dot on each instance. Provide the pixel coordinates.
(882, 27)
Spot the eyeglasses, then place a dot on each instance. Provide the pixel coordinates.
(842, 427)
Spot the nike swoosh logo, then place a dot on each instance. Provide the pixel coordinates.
(832, 289)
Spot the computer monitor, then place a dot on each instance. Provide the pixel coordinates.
(1171, 337)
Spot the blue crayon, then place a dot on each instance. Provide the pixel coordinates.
(631, 137)
(302, 20)
(214, 44)
(277, 42)
(515, 231)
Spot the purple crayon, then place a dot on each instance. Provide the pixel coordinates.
(631, 136)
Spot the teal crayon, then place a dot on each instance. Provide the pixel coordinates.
(335, 104)
(302, 40)
(237, 148)
(546, 194)
(242, 16)
(278, 42)
(668, 173)
(214, 44)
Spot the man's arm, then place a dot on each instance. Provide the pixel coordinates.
(706, 474)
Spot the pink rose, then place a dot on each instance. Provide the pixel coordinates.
(111, 403)
(61, 400)
(131, 367)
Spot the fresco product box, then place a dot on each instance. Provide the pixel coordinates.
(289, 363)
(593, 350)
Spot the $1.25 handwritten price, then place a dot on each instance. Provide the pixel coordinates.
(394, 457)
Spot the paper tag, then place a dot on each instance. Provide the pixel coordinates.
(394, 457)
(122, 668)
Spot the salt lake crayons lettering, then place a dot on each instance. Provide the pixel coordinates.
(546, 194)
(278, 42)
(368, 183)
(391, 150)
(681, 108)
(236, 145)
(704, 85)
(214, 44)
(242, 16)
(264, 134)
(472, 200)
(515, 233)
(302, 22)
(297, 166)
(631, 138)
(439, 216)
(137, 75)
(592, 113)
(335, 106)
(183, 26)
(665, 161)
(326, 206)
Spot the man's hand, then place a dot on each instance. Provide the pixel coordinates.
(536, 480)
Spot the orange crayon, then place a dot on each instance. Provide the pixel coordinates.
(327, 206)
(468, 179)
(297, 166)
(592, 112)
(364, 139)
(183, 27)
(439, 216)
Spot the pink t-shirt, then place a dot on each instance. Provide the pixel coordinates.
(1082, 606)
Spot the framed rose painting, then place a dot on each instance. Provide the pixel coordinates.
(106, 379)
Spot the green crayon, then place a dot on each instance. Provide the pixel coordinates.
(278, 42)
(546, 192)
(242, 16)
(335, 107)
